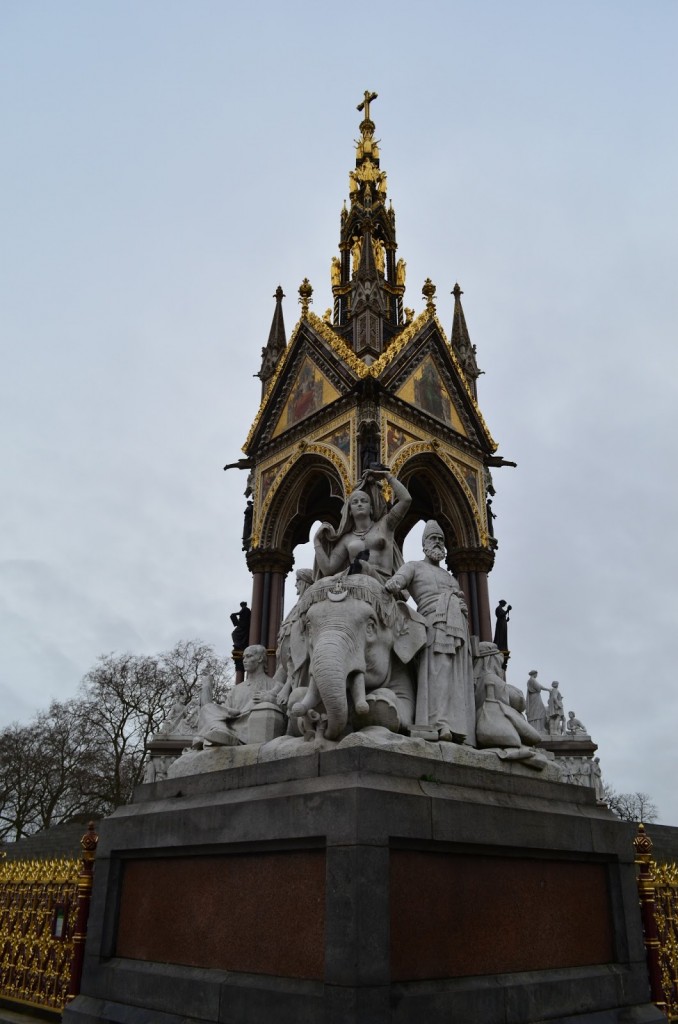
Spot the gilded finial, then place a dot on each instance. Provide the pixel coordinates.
(305, 293)
(642, 843)
(428, 291)
(89, 842)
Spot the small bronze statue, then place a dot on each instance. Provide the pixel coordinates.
(502, 612)
(247, 528)
(241, 634)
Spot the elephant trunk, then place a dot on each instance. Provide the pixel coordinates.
(331, 664)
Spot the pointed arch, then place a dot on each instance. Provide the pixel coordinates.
(438, 492)
(314, 488)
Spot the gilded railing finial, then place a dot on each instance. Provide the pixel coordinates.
(642, 844)
(89, 841)
(428, 291)
(305, 293)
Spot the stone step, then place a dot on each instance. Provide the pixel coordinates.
(8, 1016)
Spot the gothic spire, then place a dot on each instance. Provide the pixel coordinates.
(461, 341)
(367, 282)
(276, 344)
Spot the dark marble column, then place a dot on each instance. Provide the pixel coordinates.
(471, 566)
(269, 567)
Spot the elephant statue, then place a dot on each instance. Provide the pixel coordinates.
(355, 638)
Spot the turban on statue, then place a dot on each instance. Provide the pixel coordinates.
(431, 527)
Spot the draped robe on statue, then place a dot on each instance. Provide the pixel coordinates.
(445, 699)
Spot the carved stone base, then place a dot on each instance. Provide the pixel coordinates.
(358, 885)
(265, 722)
(422, 732)
(216, 758)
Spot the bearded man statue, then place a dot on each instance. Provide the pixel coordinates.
(445, 698)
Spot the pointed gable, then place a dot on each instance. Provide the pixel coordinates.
(310, 392)
(425, 389)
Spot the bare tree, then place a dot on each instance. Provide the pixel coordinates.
(66, 765)
(44, 771)
(126, 698)
(86, 755)
(631, 806)
(123, 700)
(19, 766)
(189, 662)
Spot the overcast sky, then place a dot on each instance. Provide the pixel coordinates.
(167, 164)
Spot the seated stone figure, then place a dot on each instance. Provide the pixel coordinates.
(230, 724)
(499, 722)
(574, 726)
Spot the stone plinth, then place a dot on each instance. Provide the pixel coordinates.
(363, 886)
(265, 722)
(567, 745)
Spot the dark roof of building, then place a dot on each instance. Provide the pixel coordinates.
(60, 841)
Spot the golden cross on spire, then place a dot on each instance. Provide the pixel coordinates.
(369, 96)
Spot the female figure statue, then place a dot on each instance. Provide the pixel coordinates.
(499, 721)
(356, 249)
(536, 710)
(364, 538)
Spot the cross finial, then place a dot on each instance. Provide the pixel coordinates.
(365, 105)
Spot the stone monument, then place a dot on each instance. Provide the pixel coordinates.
(371, 831)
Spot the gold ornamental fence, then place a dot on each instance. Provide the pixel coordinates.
(658, 891)
(43, 921)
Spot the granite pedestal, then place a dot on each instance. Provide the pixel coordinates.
(363, 886)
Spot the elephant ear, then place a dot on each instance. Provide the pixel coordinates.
(410, 632)
(298, 645)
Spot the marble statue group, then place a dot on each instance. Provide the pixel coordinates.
(353, 653)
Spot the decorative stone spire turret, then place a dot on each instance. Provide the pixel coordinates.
(461, 342)
(367, 283)
(276, 344)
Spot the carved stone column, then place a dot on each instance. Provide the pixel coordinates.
(269, 567)
(484, 606)
(277, 590)
(471, 566)
(462, 579)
